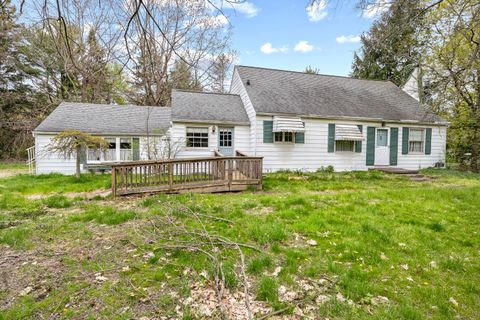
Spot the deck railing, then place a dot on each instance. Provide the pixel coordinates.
(213, 174)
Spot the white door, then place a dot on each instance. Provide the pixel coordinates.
(382, 148)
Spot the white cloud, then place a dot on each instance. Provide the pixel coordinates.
(247, 8)
(317, 10)
(375, 9)
(303, 46)
(348, 39)
(267, 48)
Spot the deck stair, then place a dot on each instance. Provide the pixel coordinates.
(414, 175)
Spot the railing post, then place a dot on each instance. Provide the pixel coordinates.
(170, 175)
(114, 181)
(230, 173)
(260, 172)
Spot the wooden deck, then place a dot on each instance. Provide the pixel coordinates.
(212, 174)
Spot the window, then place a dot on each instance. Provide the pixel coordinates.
(415, 140)
(225, 136)
(110, 153)
(197, 137)
(344, 145)
(126, 149)
(284, 137)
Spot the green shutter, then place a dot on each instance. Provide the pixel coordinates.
(331, 137)
(358, 144)
(299, 137)
(136, 148)
(405, 133)
(428, 141)
(393, 146)
(267, 131)
(370, 146)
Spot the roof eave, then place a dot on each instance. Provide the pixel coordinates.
(242, 123)
(130, 134)
(315, 116)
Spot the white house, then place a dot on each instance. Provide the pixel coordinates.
(294, 120)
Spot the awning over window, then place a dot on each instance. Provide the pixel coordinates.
(288, 124)
(348, 132)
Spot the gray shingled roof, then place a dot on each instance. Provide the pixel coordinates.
(106, 119)
(207, 107)
(288, 92)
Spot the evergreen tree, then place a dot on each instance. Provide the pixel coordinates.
(390, 49)
(181, 77)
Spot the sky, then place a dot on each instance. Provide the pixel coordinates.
(291, 35)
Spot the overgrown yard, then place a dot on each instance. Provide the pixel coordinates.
(323, 245)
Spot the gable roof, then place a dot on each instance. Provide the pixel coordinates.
(208, 107)
(107, 119)
(274, 91)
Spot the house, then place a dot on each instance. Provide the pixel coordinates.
(128, 129)
(294, 120)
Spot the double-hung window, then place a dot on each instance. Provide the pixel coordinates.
(416, 140)
(126, 152)
(197, 137)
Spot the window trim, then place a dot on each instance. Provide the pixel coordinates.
(345, 151)
(197, 127)
(423, 130)
(283, 138)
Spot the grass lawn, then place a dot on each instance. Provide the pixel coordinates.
(360, 245)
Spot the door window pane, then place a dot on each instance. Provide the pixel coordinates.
(382, 135)
(226, 137)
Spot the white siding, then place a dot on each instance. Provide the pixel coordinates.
(418, 161)
(47, 162)
(178, 131)
(313, 154)
(237, 87)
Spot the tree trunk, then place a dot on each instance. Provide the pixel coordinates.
(77, 163)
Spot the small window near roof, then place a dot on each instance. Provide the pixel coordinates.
(415, 140)
(197, 137)
(344, 145)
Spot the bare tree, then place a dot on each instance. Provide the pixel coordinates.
(72, 143)
(163, 34)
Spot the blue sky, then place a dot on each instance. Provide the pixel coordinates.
(287, 34)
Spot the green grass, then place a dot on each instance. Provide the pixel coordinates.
(13, 166)
(104, 215)
(54, 183)
(267, 290)
(416, 243)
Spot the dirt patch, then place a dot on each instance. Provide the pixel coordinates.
(11, 172)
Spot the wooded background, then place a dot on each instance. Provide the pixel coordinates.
(136, 51)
